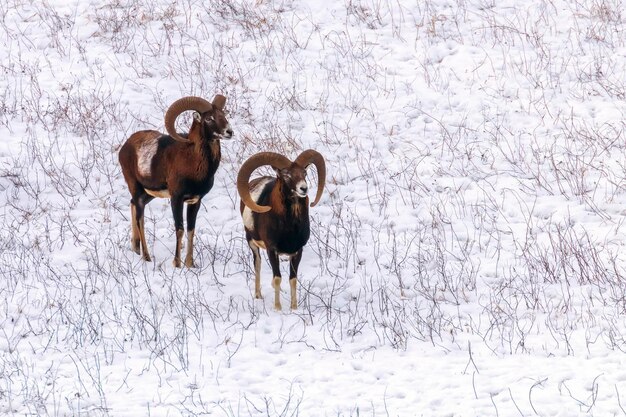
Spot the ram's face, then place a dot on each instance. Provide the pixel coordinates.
(215, 122)
(294, 179)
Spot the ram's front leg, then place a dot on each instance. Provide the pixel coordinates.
(293, 277)
(276, 280)
(192, 213)
(177, 210)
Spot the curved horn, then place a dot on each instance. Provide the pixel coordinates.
(309, 157)
(219, 101)
(243, 178)
(183, 104)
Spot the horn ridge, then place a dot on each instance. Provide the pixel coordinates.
(312, 157)
(243, 177)
(176, 108)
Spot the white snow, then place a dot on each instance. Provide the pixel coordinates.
(467, 258)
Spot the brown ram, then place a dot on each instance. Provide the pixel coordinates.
(174, 166)
(275, 213)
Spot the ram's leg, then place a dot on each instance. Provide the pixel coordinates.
(140, 205)
(293, 277)
(275, 263)
(256, 257)
(192, 213)
(135, 240)
(177, 210)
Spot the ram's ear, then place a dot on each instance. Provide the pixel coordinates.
(219, 101)
(197, 116)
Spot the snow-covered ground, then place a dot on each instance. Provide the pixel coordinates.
(467, 258)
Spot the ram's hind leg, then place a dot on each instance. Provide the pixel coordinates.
(135, 240)
(256, 257)
(138, 226)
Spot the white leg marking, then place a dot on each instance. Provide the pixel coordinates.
(189, 263)
(179, 242)
(142, 238)
(135, 238)
(257, 270)
(276, 284)
(294, 295)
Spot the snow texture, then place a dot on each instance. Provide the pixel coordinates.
(467, 258)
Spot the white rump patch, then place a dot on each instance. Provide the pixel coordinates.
(255, 193)
(146, 153)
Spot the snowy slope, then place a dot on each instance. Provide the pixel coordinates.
(467, 257)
